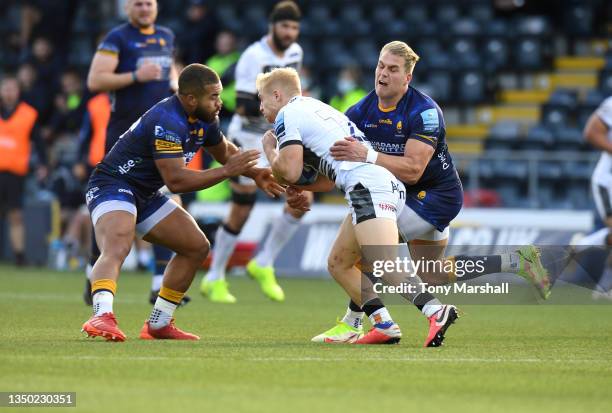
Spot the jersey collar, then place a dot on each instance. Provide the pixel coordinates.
(148, 31)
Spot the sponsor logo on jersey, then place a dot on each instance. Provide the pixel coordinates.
(371, 125)
(269, 68)
(443, 161)
(166, 135)
(164, 61)
(125, 191)
(387, 207)
(125, 168)
(400, 189)
(189, 156)
(386, 147)
(165, 146)
(430, 120)
(386, 121)
(90, 195)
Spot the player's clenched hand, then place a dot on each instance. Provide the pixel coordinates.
(296, 199)
(349, 149)
(240, 162)
(148, 71)
(266, 182)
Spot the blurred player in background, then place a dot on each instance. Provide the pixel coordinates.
(134, 63)
(123, 197)
(277, 49)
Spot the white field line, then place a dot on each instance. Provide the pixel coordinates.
(429, 359)
(317, 359)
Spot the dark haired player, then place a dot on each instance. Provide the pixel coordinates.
(123, 198)
(134, 63)
(276, 49)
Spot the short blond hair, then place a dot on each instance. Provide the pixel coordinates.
(285, 77)
(404, 51)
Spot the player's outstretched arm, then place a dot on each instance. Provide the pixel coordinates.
(179, 179)
(262, 176)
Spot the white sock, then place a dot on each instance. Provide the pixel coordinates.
(596, 238)
(510, 262)
(88, 270)
(156, 282)
(281, 232)
(162, 313)
(144, 257)
(353, 318)
(431, 307)
(102, 302)
(225, 242)
(380, 316)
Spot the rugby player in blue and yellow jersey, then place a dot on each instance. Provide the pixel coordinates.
(123, 198)
(406, 130)
(134, 63)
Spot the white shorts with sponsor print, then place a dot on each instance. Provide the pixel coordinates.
(372, 192)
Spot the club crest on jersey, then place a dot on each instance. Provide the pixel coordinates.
(398, 127)
(421, 195)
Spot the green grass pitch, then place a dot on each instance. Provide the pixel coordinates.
(256, 355)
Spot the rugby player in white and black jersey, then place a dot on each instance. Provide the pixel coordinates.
(299, 152)
(276, 49)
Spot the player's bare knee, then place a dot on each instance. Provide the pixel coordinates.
(198, 249)
(116, 250)
(336, 264)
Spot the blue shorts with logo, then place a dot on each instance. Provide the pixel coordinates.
(106, 193)
(437, 205)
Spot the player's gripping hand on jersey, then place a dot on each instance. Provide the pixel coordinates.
(349, 150)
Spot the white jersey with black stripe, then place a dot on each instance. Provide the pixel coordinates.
(603, 170)
(316, 126)
(260, 58)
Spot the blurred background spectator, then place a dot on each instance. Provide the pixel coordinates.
(349, 89)
(224, 63)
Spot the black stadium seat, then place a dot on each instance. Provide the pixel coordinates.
(471, 87)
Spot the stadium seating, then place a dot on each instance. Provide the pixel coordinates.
(510, 82)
